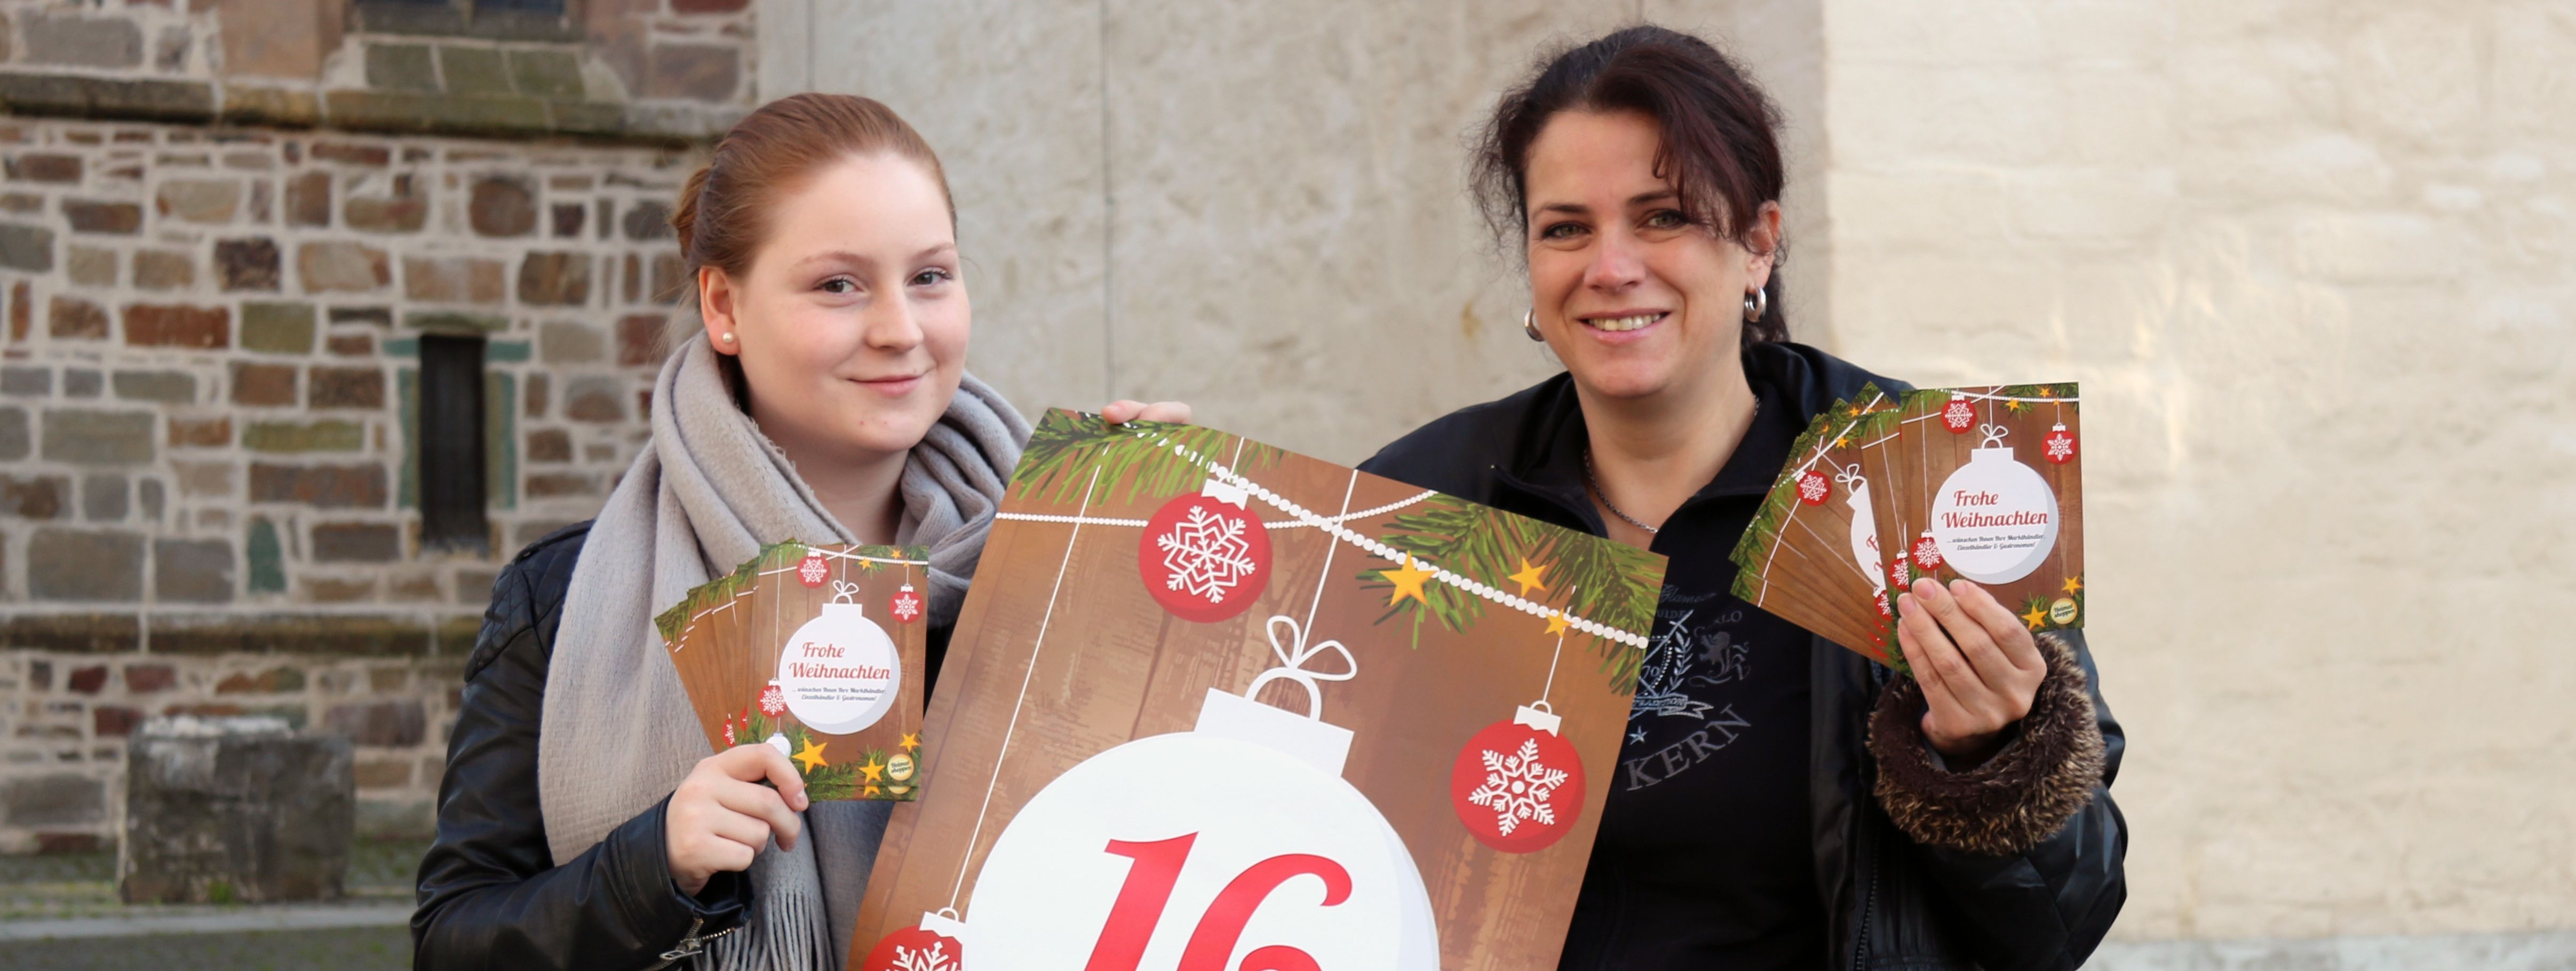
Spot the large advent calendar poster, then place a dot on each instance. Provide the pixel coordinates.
(1212, 706)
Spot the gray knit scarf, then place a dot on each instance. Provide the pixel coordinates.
(707, 493)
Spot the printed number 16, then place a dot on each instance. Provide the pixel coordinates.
(1148, 890)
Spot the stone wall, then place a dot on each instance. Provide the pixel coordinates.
(208, 389)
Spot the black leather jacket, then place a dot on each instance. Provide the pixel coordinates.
(491, 895)
(2024, 897)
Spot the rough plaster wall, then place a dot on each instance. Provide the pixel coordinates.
(2310, 260)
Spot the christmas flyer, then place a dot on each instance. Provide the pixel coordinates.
(1213, 705)
(1811, 555)
(1986, 484)
(817, 651)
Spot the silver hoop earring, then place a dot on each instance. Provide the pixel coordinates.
(1756, 303)
(1529, 325)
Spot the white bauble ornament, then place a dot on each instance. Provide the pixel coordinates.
(1995, 519)
(1864, 528)
(839, 672)
(1237, 841)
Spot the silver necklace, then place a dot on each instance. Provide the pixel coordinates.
(1595, 483)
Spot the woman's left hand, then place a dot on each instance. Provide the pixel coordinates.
(1122, 412)
(1977, 663)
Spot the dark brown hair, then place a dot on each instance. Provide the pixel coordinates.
(1721, 144)
(721, 213)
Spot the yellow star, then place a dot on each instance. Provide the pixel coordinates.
(2038, 614)
(868, 793)
(811, 755)
(1408, 580)
(2074, 584)
(872, 770)
(2016, 405)
(912, 740)
(1557, 622)
(1530, 576)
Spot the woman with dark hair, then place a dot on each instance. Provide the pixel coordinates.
(1780, 802)
(582, 821)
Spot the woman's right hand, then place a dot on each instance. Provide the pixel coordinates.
(721, 816)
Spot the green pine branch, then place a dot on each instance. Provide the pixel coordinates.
(1132, 458)
(1488, 545)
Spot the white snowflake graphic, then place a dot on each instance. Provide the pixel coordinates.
(1811, 487)
(1518, 787)
(906, 606)
(932, 958)
(812, 570)
(1958, 413)
(2061, 447)
(1206, 555)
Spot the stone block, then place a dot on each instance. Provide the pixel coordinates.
(167, 387)
(85, 565)
(320, 486)
(401, 67)
(97, 97)
(267, 557)
(333, 435)
(559, 485)
(346, 387)
(103, 498)
(88, 266)
(351, 345)
(394, 724)
(190, 571)
(555, 279)
(85, 437)
(31, 248)
(356, 543)
(340, 266)
(87, 680)
(462, 114)
(545, 73)
(647, 221)
(404, 211)
(708, 6)
(251, 104)
(148, 494)
(448, 322)
(88, 216)
(308, 199)
(236, 810)
(15, 442)
(595, 399)
(263, 384)
(277, 328)
(178, 325)
(79, 382)
(144, 679)
(113, 721)
(567, 220)
(75, 318)
(268, 682)
(45, 167)
(26, 381)
(694, 72)
(569, 342)
(247, 264)
(375, 316)
(501, 206)
(56, 799)
(352, 153)
(549, 445)
(473, 70)
(640, 339)
(35, 496)
(454, 280)
(164, 270)
(77, 41)
(214, 201)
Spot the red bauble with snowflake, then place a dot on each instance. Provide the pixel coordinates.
(1927, 554)
(1814, 488)
(773, 702)
(813, 570)
(2058, 445)
(921, 947)
(906, 606)
(1518, 784)
(1205, 557)
(1959, 415)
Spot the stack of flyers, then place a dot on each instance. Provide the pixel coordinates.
(1982, 483)
(819, 652)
